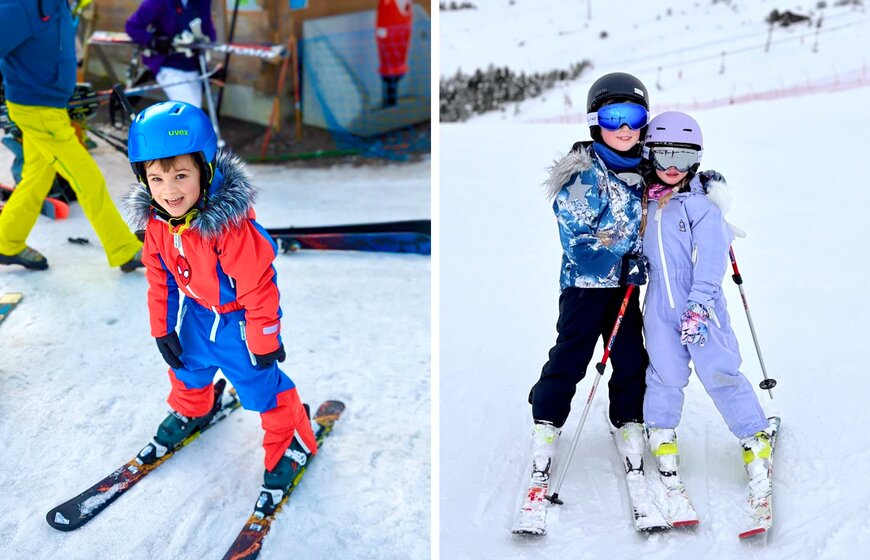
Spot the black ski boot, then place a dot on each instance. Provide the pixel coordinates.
(278, 481)
(177, 427)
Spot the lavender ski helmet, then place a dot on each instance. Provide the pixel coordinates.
(673, 128)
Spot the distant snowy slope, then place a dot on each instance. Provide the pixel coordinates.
(684, 51)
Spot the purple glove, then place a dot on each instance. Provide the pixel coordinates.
(693, 324)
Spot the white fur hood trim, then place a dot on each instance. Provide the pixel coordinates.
(576, 161)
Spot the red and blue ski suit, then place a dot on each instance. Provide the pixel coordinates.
(222, 263)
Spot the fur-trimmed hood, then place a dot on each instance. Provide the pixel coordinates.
(231, 196)
(578, 160)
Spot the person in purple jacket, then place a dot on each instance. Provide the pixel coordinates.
(686, 241)
(156, 25)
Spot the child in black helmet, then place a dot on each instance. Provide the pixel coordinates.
(596, 191)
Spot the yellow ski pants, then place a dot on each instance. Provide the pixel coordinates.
(51, 145)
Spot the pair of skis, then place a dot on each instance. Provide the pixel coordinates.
(77, 511)
(647, 517)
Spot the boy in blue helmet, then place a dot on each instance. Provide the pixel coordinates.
(201, 239)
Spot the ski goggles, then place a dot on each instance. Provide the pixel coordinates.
(665, 157)
(612, 117)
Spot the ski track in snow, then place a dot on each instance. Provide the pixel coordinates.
(84, 389)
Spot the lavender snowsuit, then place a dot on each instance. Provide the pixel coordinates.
(686, 244)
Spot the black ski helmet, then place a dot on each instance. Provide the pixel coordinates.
(616, 85)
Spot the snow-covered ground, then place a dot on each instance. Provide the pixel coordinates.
(792, 166)
(83, 389)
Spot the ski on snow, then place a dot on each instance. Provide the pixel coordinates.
(77, 511)
(410, 236)
(646, 516)
(760, 500)
(250, 539)
(532, 518)
(8, 302)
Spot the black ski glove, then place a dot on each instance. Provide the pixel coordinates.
(170, 348)
(268, 360)
(160, 44)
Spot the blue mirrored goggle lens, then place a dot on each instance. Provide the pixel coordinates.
(681, 158)
(612, 117)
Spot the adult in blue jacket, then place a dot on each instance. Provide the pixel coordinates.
(155, 25)
(38, 63)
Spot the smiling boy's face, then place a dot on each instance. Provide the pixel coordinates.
(177, 189)
(621, 140)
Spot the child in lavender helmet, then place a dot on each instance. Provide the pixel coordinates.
(686, 242)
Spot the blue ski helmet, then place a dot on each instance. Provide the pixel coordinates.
(168, 129)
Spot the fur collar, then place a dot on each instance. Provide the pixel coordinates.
(577, 161)
(230, 200)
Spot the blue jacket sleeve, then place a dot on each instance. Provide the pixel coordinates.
(712, 239)
(578, 208)
(16, 25)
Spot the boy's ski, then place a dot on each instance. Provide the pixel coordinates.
(84, 507)
(51, 207)
(761, 490)
(532, 518)
(413, 236)
(646, 516)
(8, 303)
(250, 540)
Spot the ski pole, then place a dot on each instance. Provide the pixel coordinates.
(554, 497)
(768, 383)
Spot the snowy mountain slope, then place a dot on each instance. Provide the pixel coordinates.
(685, 51)
(84, 388)
(802, 269)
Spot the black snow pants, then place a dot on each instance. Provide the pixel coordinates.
(585, 316)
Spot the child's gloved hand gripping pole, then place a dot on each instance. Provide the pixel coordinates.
(554, 497)
(768, 382)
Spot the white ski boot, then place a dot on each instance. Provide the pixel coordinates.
(630, 445)
(678, 508)
(532, 519)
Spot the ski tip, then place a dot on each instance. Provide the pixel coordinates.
(329, 408)
(688, 523)
(58, 521)
(753, 532)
